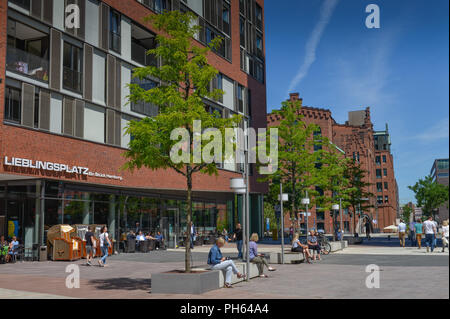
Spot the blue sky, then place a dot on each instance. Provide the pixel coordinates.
(323, 50)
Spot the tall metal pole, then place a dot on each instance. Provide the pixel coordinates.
(340, 213)
(247, 199)
(307, 224)
(282, 223)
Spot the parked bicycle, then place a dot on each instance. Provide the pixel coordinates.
(324, 244)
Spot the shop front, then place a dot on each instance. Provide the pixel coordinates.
(29, 208)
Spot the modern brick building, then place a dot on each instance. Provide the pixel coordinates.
(358, 140)
(439, 172)
(63, 112)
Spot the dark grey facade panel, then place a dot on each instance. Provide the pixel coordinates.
(81, 30)
(44, 110)
(117, 128)
(118, 88)
(48, 11)
(110, 124)
(36, 9)
(27, 105)
(219, 14)
(79, 118)
(55, 59)
(110, 80)
(68, 118)
(104, 26)
(88, 71)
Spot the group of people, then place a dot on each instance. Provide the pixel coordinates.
(427, 230)
(311, 250)
(8, 250)
(91, 245)
(218, 262)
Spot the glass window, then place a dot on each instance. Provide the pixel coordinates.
(143, 107)
(378, 160)
(380, 199)
(72, 67)
(13, 105)
(386, 185)
(384, 159)
(258, 15)
(25, 4)
(385, 172)
(379, 187)
(242, 31)
(114, 31)
(386, 199)
(226, 19)
(36, 109)
(27, 51)
(378, 173)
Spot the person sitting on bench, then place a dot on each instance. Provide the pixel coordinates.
(218, 262)
(256, 258)
(159, 241)
(313, 244)
(298, 247)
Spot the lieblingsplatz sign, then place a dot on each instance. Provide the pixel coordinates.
(56, 167)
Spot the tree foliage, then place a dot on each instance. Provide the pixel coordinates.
(430, 195)
(185, 77)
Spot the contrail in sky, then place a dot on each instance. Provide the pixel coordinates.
(326, 12)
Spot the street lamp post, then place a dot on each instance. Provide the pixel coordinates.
(239, 187)
(282, 198)
(341, 213)
(305, 201)
(335, 208)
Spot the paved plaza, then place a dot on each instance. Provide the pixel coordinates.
(404, 273)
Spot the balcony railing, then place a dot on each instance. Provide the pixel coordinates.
(72, 80)
(139, 54)
(26, 63)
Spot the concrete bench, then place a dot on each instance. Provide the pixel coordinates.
(289, 257)
(242, 267)
(338, 245)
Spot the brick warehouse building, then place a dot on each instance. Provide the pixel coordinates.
(357, 139)
(63, 104)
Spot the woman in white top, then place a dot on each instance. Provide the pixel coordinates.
(444, 235)
(104, 245)
(297, 246)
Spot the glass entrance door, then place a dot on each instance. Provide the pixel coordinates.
(170, 222)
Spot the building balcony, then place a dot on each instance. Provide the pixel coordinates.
(139, 55)
(28, 64)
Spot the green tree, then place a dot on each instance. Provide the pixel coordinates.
(430, 195)
(406, 213)
(185, 76)
(301, 153)
(358, 196)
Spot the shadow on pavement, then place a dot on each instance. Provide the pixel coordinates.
(122, 284)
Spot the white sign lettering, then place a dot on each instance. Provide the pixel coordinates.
(56, 167)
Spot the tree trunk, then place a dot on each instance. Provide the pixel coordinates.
(187, 244)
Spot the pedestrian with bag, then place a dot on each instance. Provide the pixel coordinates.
(105, 243)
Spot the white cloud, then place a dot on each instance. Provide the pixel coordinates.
(326, 13)
(436, 132)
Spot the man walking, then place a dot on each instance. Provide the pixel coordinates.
(418, 229)
(369, 228)
(430, 233)
(90, 246)
(412, 233)
(238, 237)
(402, 233)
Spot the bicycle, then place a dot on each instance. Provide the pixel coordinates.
(325, 245)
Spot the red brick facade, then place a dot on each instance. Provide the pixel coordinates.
(16, 141)
(356, 141)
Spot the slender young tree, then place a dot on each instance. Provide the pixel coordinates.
(358, 194)
(297, 159)
(171, 140)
